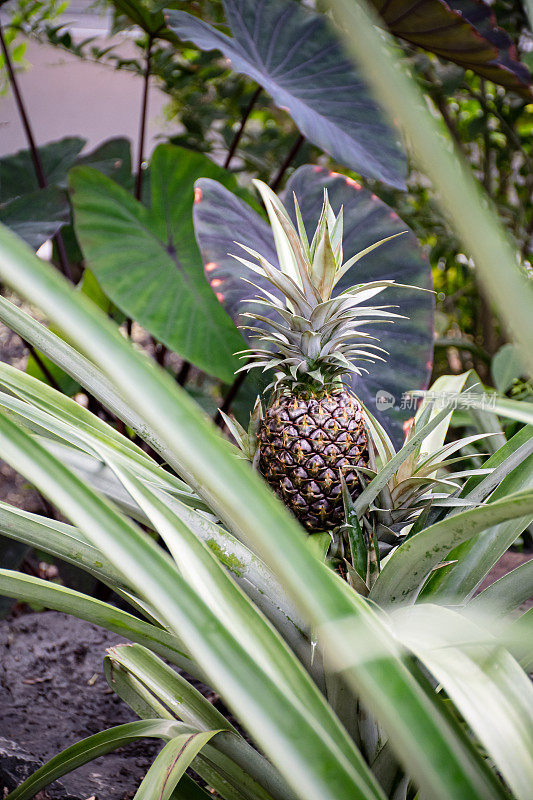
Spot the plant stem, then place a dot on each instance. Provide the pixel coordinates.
(286, 164)
(228, 400)
(462, 344)
(34, 150)
(183, 374)
(160, 352)
(142, 124)
(36, 158)
(237, 137)
(142, 135)
(42, 366)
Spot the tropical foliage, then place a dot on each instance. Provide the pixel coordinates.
(357, 662)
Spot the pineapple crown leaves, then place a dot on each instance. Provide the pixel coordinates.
(311, 338)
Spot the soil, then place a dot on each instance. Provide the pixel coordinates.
(53, 693)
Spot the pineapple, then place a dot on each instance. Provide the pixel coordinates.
(313, 429)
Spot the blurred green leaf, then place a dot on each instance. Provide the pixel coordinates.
(508, 592)
(111, 158)
(36, 216)
(17, 172)
(506, 367)
(150, 21)
(489, 688)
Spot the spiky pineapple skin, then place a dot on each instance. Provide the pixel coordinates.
(303, 443)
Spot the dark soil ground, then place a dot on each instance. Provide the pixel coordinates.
(53, 693)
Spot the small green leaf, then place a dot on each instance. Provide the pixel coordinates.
(507, 365)
(319, 544)
(324, 267)
(36, 216)
(17, 173)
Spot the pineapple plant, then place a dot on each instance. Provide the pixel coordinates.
(313, 433)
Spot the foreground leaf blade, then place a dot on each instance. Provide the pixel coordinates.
(272, 714)
(50, 595)
(239, 764)
(486, 684)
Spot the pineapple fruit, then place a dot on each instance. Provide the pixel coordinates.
(313, 429)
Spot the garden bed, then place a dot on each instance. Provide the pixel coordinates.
(52, 694)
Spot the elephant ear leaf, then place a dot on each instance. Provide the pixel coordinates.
(462, 31)
(221, 218)
(17, 171)
(294, 55)
(147, 261)
(36, 216)
(33, 213)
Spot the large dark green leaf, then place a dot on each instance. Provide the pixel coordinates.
(113, 158)
(463, 31)
(17, 173)
(220, 219)
(147, 260)
(293, 54)
(36, 216)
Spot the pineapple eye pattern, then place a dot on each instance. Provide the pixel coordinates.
(303, 446)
